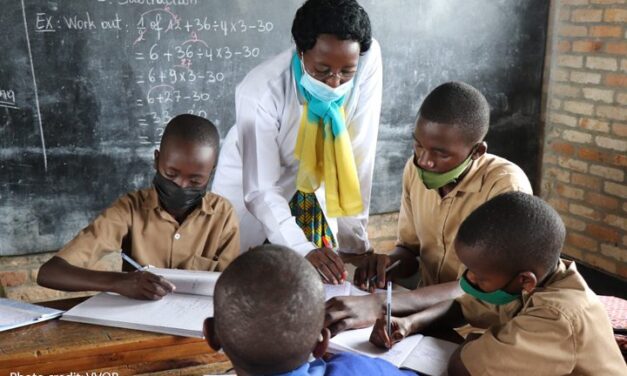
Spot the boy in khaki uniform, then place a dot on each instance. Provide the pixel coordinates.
(175, 224)
(540, 315)
(449, 175)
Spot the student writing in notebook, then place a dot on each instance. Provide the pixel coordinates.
(270, 323)
(174, 224)
(540, 315)
(449, 175)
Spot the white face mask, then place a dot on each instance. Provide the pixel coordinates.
(322, 91)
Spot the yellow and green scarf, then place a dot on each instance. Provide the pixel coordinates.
(324, 150)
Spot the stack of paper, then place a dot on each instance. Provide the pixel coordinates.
(14, 314)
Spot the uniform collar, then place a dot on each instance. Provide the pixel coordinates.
(564, 269)
(472, 181)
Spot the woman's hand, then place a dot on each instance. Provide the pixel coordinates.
(329, 265)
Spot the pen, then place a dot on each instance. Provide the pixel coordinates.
(389, 310)
(132, 262)
(392, 266)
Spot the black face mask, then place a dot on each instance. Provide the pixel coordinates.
(176, 200)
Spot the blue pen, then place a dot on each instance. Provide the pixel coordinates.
(132, 262)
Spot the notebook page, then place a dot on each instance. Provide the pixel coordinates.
(357, 341)
(181, 314)
(331, 291)
(430, 356)
(345, 289)
(15, 313)
(195, 282)
(11, 317)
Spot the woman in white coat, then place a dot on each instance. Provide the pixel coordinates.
(298, 163)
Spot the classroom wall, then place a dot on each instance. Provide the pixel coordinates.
(584, 147)
(18, 274)
(585, 138)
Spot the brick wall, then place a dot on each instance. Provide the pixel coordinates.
(585, 142)
(18, 277)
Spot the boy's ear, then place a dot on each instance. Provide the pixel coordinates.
(322, 344)
(528, 280)
(480, 150)
(209, 331)
(156, 159)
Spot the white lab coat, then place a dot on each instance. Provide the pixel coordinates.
(257, 169)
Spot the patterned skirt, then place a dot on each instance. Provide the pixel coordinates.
(309, 216)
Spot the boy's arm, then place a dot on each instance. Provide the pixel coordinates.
(540, 341)
(58, 274)
(68, 270)
(455, 365)
(349, 312)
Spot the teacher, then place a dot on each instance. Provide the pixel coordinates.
(298, 164)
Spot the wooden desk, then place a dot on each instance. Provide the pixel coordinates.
(57, 347)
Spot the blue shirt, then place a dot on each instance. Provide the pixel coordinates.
(347, 365)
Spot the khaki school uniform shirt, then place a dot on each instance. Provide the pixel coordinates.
(560, 329)
(428, 223)
(208, 239)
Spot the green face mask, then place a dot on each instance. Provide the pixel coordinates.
(498, 297)
(434, 180)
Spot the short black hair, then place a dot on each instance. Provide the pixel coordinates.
(191, 128)
(269, 310)
(459, 105)
(515, 232)
(345, 19)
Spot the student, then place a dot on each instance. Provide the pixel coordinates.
(298, 163)
(449, 175)
(511, 248)
(175, 224)
(268, 318)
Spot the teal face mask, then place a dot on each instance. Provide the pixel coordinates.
(498, 297)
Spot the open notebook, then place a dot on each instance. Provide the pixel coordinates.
(426, 355)
(181, 313)
(344, 289)
(14, 314)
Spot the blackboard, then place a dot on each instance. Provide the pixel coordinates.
(87, 86)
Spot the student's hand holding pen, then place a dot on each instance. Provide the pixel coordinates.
(143, 285)
(400, 328)
(329, 265)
